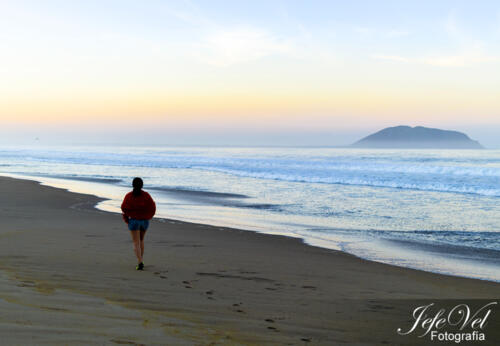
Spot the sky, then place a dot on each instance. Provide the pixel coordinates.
(246, 72)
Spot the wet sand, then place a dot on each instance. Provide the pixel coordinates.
(67, 276)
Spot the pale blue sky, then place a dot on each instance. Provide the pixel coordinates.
(323, 72)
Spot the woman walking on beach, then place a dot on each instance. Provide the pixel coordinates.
(138, 208)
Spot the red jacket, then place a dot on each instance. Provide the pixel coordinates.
(140, 207)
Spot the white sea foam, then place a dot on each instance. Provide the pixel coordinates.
(373, 194)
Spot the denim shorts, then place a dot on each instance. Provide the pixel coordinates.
(138, 225)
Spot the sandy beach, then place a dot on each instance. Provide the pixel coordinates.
(67, 276)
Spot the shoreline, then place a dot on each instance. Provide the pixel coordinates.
(65, 184)
(201, 282)
(379, 257)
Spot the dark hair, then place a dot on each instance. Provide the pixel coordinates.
(137, 185)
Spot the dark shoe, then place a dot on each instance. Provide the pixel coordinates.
(140, 266)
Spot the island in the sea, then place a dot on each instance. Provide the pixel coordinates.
(406, 137)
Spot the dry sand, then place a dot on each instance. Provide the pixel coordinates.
(67, 276)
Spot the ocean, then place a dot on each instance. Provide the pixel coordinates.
(434, 210)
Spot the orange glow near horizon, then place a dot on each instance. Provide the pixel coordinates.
(184, 109)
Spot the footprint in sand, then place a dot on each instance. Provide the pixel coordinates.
(270, 320)
(161, 276)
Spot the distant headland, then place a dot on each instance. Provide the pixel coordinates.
(406, 137)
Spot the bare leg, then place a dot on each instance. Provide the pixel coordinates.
(143, 233)
(137, 245)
